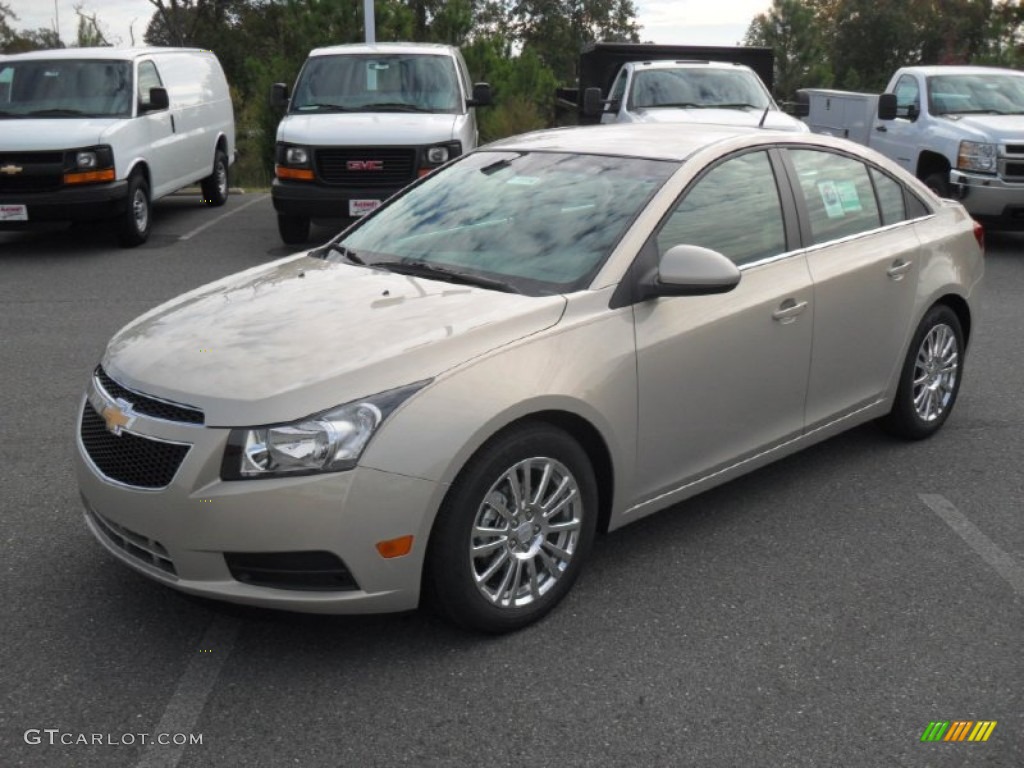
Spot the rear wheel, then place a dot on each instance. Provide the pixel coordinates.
(514, 531)
(134, 224)
(215, 186)
(294, 229)
(931, 377)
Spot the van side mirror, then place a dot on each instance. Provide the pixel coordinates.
(481, 95)
(887, 106)
(690, 270)
(158, 99)
(593, 104)
(279, 95)
(802, 105)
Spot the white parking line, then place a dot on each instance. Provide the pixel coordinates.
(207, 225)
(193, 690)
(1004, 563)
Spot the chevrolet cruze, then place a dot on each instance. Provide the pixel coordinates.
(548, 338)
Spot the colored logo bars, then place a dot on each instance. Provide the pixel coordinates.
(958, 730)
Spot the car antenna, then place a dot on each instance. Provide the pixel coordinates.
(764, 117)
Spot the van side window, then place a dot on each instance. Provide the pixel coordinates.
(148, 78)
(717, 212)
(838, 192)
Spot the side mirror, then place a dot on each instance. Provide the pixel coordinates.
(690, 270)
(481, 95)
(593, 104)
(802, 105)
(913, 112)
(887, 106)
(158, 99)
(279, 95)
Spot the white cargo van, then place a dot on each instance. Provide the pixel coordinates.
(364, 121)
(99, 133)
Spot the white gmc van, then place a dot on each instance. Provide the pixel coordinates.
(99, 133)
(364, 121)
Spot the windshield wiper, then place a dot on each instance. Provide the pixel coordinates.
(394, 106)
(437, 272)
(323, 105)
(341, 250)
(676, 104)
(735, 105)
(56, 113)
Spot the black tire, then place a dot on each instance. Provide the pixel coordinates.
(134, 224)
(479, 497)
(215, 186)
(294, 229)
(915, 413)
(939, 184)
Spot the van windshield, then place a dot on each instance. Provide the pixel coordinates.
(65, 88)
(378, 83)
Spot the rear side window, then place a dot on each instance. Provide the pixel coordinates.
(148, 78)
(733, 209)
(838, 192)
(890, 197)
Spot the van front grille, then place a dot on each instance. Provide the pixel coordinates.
(31, 171)
(366, 167)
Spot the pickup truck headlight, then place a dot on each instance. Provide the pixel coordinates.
(331, 441)
(977, 156)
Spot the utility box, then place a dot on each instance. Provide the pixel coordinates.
(842, 113)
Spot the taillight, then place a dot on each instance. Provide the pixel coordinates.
(979, 235)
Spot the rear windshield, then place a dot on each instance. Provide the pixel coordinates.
(65, 88)
(378, 83)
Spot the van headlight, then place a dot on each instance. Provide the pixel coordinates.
(331, 441)
(977, 156)
(296, 156)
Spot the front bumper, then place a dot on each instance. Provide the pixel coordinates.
(990, 199)
(317, 201)
(99, 201)
(178, 535)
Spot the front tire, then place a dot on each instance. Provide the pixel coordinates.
(294, 229)
(215, 186)
(514, 530)
(930, 380)
(939, 184)
(134, 224)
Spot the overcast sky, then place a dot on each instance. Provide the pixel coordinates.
(696, 22)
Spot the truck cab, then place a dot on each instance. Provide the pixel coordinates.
(364, 121)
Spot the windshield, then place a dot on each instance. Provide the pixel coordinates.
(538, 222)
(994, 94)
(373, 83)
(693, 87)
(65, 88)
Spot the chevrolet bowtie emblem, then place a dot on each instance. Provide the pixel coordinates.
(118, 417)
(10, 169)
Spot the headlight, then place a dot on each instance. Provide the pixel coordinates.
(977, 156)
(437, 155)
(296, 156)
(327, 442)
(86, 160)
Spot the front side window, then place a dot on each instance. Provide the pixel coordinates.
(698, 87)
(993, 94)
(148, 78)
(619, 86)
(838, 192)
(540, 222)
(378, 83)
(65, 88)
(733, 209)
(908, 97)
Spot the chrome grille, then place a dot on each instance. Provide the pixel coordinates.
(147, 405)
(147, 550)
(398, 166)
(140, 462)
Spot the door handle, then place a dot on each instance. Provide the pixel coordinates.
(173, 129)
(788, 311)
(881, 129)
(899, 268)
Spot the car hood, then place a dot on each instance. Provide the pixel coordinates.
(292, 338)
(776, 120)
(19, 135)
(369, 128)
(993, 128)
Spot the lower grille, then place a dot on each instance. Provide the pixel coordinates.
(139, 547)
(393, 167)
(140, 462)
(311, 571)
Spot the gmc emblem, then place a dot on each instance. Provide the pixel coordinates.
(365, 165)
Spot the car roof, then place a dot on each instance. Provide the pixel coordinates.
(106, 52)
(429, 48)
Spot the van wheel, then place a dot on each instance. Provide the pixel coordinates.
(514, 530)
(133, 226)
(294, 229)
(215, 186)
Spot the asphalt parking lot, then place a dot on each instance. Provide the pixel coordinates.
(819, 612)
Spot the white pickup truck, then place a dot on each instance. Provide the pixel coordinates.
(960, 129)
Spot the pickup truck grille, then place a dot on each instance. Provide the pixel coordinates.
(31, 171)
(366, 167)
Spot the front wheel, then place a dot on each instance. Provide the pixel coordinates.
(939, 184)
(215, 186)
(514, 531)
(294, 229)
(930, 379)
(134, 224)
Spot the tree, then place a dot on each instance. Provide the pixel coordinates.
(791, 28)
(90, 33)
